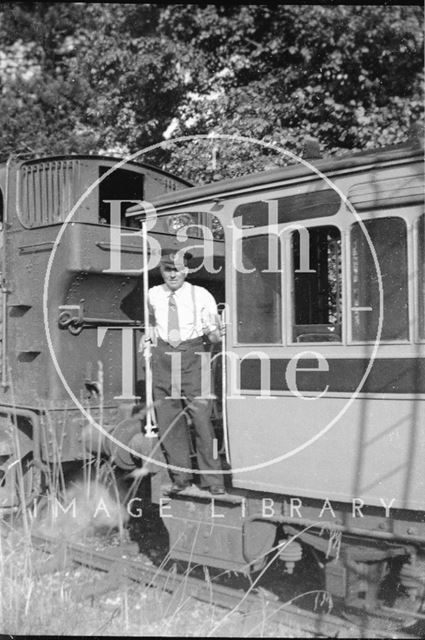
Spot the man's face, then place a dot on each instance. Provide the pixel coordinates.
(173, 277)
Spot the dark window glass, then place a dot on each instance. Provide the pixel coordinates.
(121, 184)
(316, 258)
(421, 273)
(389, 239)
(259, 293)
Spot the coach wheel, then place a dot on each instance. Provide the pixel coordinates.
(409, 588)
(387, 594)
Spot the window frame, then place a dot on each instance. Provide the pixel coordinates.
(290, 286)
(415, 253)
(383, 215)
(259, 232)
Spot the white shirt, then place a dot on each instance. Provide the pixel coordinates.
(196, 309)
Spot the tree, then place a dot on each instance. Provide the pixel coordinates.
(115, 77)
(351, 76)
(93, 86)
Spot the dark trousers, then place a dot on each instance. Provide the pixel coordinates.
(172, 423)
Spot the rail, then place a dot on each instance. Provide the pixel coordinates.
(117, 569)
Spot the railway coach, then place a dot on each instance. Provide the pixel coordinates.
(323, 411)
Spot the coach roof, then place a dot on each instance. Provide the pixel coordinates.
(227, 188)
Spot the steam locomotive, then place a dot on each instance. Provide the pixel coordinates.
(320, 385)
(43, 317)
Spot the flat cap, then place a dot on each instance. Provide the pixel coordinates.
(175, 258)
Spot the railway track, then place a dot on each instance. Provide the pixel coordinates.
(117, 569)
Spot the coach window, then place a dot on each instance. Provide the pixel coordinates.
(388, 243)
(259, 293)
(317, 293)
(421, 275)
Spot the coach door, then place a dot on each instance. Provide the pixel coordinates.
(286, 320)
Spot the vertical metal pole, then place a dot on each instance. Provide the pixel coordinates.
(3, 283)
(224, 385)
(149, 432)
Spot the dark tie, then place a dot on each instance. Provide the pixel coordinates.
(174, 337)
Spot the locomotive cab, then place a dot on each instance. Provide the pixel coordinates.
(61, 285)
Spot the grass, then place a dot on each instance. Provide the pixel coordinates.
(35, 602)
(38, 600)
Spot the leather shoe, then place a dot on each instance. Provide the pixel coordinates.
(217, 490)
(177, 487)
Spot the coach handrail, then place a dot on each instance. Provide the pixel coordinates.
(223, 321)
(3, 280)
(150, 417)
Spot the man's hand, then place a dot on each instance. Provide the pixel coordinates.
(218, 332)
(146, 343)
(214, 336)
(211, 326)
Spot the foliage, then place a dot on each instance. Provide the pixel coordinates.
(349, 76)
(93, 77)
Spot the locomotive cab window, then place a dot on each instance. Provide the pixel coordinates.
(121, 184)
(317, 284)
(388, 244)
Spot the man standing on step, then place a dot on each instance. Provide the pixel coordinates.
(182, 315)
